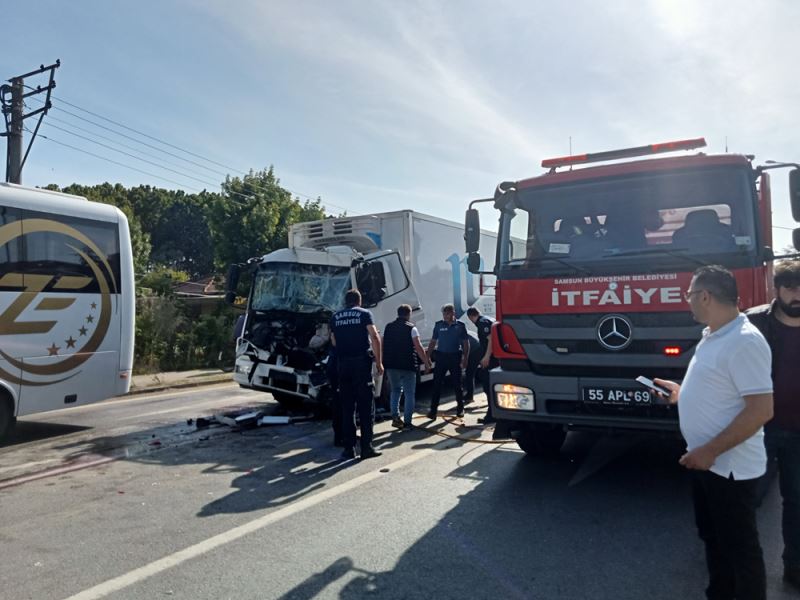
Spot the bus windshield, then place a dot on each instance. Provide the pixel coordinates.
(301, 288)
(672, 218)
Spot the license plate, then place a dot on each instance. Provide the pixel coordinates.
(622, 396)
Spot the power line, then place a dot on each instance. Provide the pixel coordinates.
(189, 152)
(149, 162)
(50, 139)
(107, 138)
(118, 124)
(129, 137)
(195, 190)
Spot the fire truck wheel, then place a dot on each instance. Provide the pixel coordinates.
(7, 418)
(541, 440)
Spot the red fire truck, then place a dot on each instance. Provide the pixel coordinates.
(591, 267)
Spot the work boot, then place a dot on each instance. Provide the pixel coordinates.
(407, 426)
(397, 423)
(431, 415)
(348, 454)
(460, 413)
(370, 453)
(486, 420)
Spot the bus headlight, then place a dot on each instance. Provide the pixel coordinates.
(514, 397)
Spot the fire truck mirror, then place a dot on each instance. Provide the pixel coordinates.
(794, 191)
(473, 262)
(472, 230)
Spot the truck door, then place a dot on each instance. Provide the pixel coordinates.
(385, 285)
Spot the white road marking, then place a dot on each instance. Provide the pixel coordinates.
(127, 400)
(173, 560)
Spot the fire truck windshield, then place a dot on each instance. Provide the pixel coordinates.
(300, 288)
(672, 219)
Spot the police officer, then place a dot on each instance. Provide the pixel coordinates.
(352, 329)
(451, 342)
(484, 326)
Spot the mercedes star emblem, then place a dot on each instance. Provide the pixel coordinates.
(614, 332)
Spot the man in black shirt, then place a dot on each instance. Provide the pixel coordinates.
(352, 330)
(488, 362)
(401, 347)
(779, 322)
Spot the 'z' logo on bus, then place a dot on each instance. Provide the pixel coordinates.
(86, 325)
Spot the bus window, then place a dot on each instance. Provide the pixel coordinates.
(9, 251)
(49, 252)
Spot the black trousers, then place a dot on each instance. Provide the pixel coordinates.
(336, 399)
(355, 392)
(447, 363)
(483, 376)
(725, 512)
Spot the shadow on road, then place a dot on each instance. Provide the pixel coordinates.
(527, 531)
(32, 431)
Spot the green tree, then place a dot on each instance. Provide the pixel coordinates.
(253, 215)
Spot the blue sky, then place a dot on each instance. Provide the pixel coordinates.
(384, 105)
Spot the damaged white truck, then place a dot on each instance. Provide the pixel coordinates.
(393, 258)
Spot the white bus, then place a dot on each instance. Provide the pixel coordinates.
(66, 302)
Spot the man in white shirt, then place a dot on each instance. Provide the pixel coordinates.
(723, 403)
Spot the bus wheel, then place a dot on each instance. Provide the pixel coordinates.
(7, 418)
(541, 440)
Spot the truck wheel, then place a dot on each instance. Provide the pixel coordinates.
(7, 418)
(288, 402)
(541, 440)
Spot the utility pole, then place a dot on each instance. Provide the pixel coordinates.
(12, 98)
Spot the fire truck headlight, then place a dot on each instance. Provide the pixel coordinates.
(514, 397)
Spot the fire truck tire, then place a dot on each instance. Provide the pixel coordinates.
(541, 440)
(7, 418)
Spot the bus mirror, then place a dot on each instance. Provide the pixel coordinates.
(472, 230)
(796, 238)
(473, 262)
(232, 281)
(794, 194)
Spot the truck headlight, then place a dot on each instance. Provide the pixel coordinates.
(514, 397)
(243, 367)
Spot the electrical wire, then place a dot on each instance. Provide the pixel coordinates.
(195, 190)
(133, 156)
(156, 148)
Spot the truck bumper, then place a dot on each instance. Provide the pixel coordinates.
(558, 401)
(275, 379)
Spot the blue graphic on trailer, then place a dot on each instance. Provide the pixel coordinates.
(375, 237)
(457, 263)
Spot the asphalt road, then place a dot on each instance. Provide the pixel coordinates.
(126, 500)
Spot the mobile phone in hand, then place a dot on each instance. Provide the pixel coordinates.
(656, 388)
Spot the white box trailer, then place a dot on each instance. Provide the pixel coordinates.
(393, 258)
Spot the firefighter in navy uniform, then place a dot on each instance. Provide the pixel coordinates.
(487, 362)
(352, 329)
(451, 342)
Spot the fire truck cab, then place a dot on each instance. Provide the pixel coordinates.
(591, 267)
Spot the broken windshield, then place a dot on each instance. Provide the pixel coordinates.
(671, 217)
(300, 288)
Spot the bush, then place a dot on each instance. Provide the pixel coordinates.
(170, 338)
